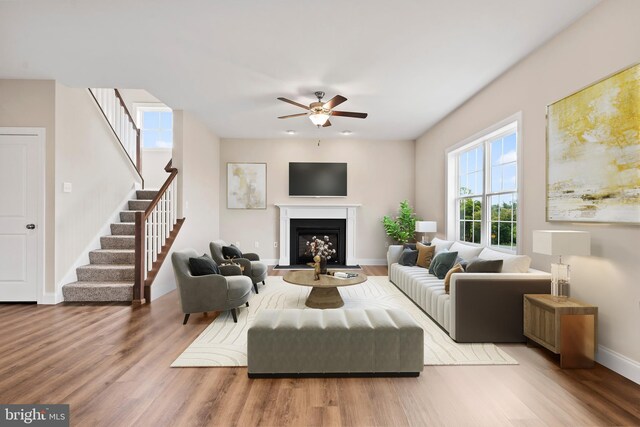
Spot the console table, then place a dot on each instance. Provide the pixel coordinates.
(563, 325)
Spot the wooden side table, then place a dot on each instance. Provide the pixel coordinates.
(563, 325)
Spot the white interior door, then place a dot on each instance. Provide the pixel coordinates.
(21, 172)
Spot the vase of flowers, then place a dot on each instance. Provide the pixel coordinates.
(323, 249)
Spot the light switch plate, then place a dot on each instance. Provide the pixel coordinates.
(67, 187)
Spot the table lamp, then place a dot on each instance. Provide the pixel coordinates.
(561, 242)
(426, 227)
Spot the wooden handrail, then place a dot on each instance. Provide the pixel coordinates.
(138, 163)
(162, 190)
(147, 264)
(135, 127)
(126, 110)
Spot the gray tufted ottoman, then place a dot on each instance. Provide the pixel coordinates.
(352, 342)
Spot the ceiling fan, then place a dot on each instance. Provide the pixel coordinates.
(319, 112)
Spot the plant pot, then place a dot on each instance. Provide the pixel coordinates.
(323, 265)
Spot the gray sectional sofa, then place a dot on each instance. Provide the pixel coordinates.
(481, 307)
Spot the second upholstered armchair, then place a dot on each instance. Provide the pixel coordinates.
(252, 267)
(213, 292)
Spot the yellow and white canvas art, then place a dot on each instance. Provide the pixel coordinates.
(246, 185)
(593, 152)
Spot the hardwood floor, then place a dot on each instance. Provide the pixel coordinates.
(111, 364)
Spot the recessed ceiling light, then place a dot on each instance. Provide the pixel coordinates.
(291, 132)
(346, 132)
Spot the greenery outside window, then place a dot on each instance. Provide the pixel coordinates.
(485, 189)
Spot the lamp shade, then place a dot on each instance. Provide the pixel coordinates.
(561, 242)
(426, 226)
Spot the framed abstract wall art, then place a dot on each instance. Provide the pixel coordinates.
(246, 185)
(593, 152)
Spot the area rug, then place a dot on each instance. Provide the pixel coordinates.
(224, 343)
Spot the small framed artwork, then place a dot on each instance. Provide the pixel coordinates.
(246, 185)
(593, 152)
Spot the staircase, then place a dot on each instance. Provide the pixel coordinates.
(110, 276)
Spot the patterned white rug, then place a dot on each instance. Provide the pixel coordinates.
(224, 343)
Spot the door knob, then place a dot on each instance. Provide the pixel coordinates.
(31, 226)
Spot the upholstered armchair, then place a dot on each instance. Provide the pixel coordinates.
(252, 267)
(214, 292)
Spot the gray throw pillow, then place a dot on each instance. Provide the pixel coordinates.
(408, 258)
(478, 265)
(442, 263)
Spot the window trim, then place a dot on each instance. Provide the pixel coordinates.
(140, 108)
(451, 172)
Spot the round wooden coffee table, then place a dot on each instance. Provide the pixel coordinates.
(324, 292)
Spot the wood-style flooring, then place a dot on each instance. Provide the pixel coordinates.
(111, 364)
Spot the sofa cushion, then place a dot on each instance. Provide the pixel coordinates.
(455, 269)
(511, 263)
(408, 257)
(203, 266)
(466, 252)
(425, 255)
(441, 245)
(442, 263)
(478, 265)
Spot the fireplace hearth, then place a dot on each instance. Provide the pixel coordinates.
(303, 231)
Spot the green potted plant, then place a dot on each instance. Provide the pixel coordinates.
(401, 229)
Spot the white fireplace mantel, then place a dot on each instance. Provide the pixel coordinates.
(290, 211)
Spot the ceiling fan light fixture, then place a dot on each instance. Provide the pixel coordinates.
(319, 119)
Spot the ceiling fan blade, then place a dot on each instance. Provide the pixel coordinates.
(334, 102)
(326, 124)
(292, 115)
(349, 114)
(297, 104)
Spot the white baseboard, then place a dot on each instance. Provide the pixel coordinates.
(618, 363)
(51, 298)
(371, 261)
(272, 261)
(83, 258)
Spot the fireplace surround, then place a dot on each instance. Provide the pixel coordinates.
(345, 212)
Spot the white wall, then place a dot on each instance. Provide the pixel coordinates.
(605, 40)
(153, 163)
(89, 156)
(196, 155)
(380, 175)
(31, 103)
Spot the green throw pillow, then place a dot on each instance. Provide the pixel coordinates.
(442, 263)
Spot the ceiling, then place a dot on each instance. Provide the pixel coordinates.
(408, 63)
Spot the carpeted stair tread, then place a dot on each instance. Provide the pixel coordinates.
(146, 194)
(138, 205)
(129, 216)
(112, 256)
(118, 242)
(123, 228)
(106, 273)
(98, 291)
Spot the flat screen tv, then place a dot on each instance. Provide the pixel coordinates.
(318, 179)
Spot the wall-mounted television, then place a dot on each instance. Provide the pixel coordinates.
(318, 179)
